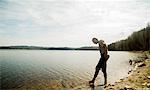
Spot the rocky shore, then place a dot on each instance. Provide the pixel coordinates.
(139, 76)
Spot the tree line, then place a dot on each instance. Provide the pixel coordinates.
(139, 40)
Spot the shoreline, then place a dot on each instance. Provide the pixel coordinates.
(138, 78)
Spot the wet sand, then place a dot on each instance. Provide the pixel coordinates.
(139, 76)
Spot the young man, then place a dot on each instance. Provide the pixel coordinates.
(102, 62)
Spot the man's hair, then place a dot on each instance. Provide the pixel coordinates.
(95, 40)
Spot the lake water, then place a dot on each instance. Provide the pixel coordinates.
(58, 70)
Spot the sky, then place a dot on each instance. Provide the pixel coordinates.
(70, 23)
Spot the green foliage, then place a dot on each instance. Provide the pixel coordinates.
(139, 40)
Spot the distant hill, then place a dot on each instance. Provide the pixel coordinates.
(139, 40)
(87, 48)
(47, 48)
(21, 47)
(35, 48)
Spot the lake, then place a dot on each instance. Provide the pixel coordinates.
(58, 70)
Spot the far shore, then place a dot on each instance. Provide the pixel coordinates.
(85, 48)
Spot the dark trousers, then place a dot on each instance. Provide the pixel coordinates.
(101, 65)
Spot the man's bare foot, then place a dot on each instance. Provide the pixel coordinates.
(105, 85)
(91, 82)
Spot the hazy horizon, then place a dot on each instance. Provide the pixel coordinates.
(70, 23)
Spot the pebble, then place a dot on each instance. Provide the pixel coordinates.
(130, 71)
(130, 62)
(144, 84)
(111, 88)
(140, 77)
(148, 77)
(141, 65)
(121, 79)
(127, 87)
(148, 85)
(109, 85)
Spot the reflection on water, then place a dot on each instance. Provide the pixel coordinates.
(57, 70)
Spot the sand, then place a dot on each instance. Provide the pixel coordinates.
(139, 76)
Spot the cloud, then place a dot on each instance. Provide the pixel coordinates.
(70, 22)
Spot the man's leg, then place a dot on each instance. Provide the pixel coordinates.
(105, 74)
(95, 75)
